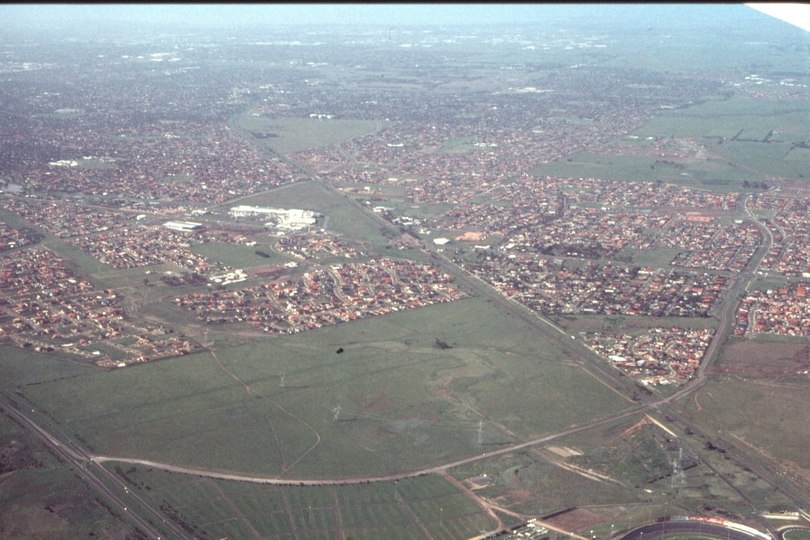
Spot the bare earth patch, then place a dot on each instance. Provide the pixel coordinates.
(576, 520)
(764, 359)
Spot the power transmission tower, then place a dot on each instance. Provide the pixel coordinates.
(282, 375)
(336, 410)
(480, 432)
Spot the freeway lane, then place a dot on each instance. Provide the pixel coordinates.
(78, 459)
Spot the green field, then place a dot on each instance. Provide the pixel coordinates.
(660, 257)
(797, 534)
(344, 216)
(732, 161)
(285, 135)
(726, 118)
(217, 508)
(716, 174)
(239, 256)
(167, 411)
(21, 367)
(42, 498)
(769, 416)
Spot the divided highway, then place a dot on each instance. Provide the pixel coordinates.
(85, 466)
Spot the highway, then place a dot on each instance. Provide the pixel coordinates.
(82, 463)
(90, 466)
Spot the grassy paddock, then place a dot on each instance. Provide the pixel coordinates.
(286, 135)
(715, 174)
(344, 216)
(43, 498)
(19, 367)
(741, 160)
(169, 410)
(772, 417)
(238, 256)
(374, 511)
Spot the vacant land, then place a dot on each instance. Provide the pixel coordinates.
(741, 140)
(344, 215)
(285, 135)
(767, 417)
(42, 498)
(765, 358)
(629, 324)
(715, 173)
(20, 367)
(239, 256)
(235, 407)
(215, 508)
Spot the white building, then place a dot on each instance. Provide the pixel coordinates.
(292, 219)
(183, 226)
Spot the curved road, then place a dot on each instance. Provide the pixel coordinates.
(789, 528)
(81, 460)
(657, 530)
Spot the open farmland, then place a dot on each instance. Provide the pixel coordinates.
(163, 412)
(42, 498)
(400, 280)
(767, 417)
(287, 135)
(718, 175)
(215, 508)
(717, 144)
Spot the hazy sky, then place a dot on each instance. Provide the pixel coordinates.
(359, 14)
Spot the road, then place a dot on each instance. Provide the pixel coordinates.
(80, 456)
(439, 469)
(90, 468)
(658, 530)
(82, 463)
(781, 532)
